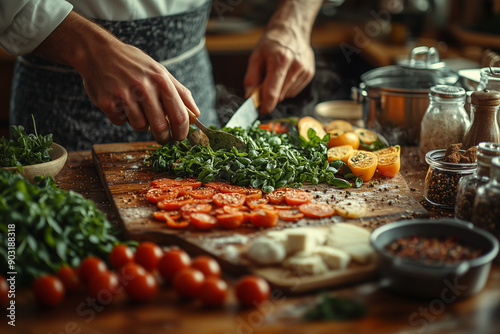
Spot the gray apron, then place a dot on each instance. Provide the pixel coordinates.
(55, 95)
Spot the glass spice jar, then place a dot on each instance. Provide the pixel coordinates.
(468, 185)
(487, 203)
(484, 127)
(445, 120)
(441, 181)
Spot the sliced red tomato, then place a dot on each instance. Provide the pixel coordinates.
(232, 199)
(317, 210)
(163, 214)
(203, 221)
(178, 224)
(264, 217)
(253, 203)
(253, 193)
(202, 193)
(277, 196)
(231, 220)
(174, 203)
(297, 197)
(165, 182)
(184, 190)
(231, 209)
(188, 209)
(231, 188)
(290, 215)
(214, 184)
(155, 195)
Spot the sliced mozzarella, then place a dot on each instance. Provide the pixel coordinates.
(362, 253)
(334, 258)
(306, 265)
(266, 251)
(350, 209)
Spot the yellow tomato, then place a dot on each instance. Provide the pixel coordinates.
(389, 161)
(339, 153)
(363, 164)
(339, 125)
(340, 138)
(366, 136)
(306, 123)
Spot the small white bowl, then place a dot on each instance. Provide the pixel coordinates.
(58, 156)
(347, 110)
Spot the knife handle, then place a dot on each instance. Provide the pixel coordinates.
(256, 96)
(192, 117)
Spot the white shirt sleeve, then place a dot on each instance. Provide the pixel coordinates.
(25, 24)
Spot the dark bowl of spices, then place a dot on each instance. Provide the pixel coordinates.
(446, 168)
(444, 259)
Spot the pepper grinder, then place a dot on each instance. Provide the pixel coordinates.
(484, 127)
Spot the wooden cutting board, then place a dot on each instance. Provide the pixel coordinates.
(124, 175)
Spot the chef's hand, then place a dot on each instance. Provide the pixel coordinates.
(122, 81)
(283, 60)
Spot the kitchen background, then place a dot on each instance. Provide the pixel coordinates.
(350, 37)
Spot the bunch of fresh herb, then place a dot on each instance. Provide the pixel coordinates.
(269, 162)
(335, 308)
(52, 226)
(25, 149)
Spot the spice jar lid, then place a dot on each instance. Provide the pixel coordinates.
(486, 98)
(486, 151)
(447, 91)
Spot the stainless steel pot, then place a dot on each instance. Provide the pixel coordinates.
(395, 98)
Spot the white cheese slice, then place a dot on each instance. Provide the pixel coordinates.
(266, 251)
(362, 253)
(349, 229)
(306, 265)
(304, 240)
(339, 240)
(334, 258)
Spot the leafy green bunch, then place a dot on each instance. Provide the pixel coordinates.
(269, 162)
(52, 226)
(25, 149)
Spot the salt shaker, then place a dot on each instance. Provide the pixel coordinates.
(484, 127)
(445, 120)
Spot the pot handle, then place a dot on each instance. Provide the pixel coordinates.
(456, 270)
(432, 55)
(358, 94)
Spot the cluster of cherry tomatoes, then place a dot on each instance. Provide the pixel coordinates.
(140, 274)
(188, 202)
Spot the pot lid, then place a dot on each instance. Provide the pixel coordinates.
(414, 74)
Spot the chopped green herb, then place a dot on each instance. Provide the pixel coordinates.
(335, 308)
(270, 161)
(25, 149)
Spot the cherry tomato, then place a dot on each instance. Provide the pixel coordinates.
(389, 161)
(69, 278)
(213, 291)
(264, 217)
(207, 265)
(297, 197)
(277, 196)
(341, 138)
(138, 283)
(232, 199)
(104, 286)
(317, 210)
(188, 281)
(48, 290)
(185, 190)
(173, 261)
(252, 290)
(231, 188)
(163, 215)
(253, 203)
(214, 184)
(363, 164)
(253, 193)
(189, 208)
(231, 220)
(120, 255)
(4, 291)
(89, 267)
(180, 224)
(148, 254)
(203, 221)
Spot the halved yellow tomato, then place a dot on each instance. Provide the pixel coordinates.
(363, 164)
(366, 136)
(339, 124)
(306, 123)
(340, 138)
(389, 161)
(339, 153)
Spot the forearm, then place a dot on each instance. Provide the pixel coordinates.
(297, 16)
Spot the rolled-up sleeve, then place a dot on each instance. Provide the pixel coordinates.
(24, 24)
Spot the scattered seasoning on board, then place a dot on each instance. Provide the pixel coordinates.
(433, 250)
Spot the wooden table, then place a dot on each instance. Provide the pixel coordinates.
(387, 313)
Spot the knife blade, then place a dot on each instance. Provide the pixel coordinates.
(247, 113)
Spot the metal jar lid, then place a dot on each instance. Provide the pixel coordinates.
(486, 152)
(446, 91)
